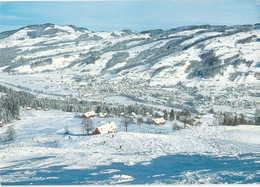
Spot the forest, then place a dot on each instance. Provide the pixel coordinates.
(11, 101)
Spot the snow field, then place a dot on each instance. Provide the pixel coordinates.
(40, 144)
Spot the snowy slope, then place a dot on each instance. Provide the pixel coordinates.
(37, 43)
(40, 146)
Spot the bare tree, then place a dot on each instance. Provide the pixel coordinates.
(185, 116)
(140, 120)
(125, 122)
(87, 125)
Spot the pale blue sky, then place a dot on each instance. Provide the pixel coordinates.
(135, 15)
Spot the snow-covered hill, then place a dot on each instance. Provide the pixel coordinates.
(195, 51)
(215, 63)
(42, 154)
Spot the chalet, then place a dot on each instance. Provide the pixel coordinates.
(28, 108)
(101, 115)
(159, 114)
(106, 128)
(133, 115)
(257, 117)
(191, 121)
(88, 115)
(198, 117)
(159, 121)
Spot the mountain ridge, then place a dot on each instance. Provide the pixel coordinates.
(194, 57)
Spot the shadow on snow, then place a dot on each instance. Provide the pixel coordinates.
(173, 169)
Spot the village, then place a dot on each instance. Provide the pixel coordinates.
(160, 120)
(200, 99)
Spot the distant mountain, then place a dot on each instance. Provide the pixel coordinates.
(222, 52)
(191, 55)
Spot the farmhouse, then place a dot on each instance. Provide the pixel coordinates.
(191, 121)
(102, 115)
(106, 128)
(159, 114)
(159, 121)
(88, 115)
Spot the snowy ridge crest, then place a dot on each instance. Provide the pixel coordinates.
(218, 52)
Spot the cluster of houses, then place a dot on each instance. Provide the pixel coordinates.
(111, 127)
(37, 108)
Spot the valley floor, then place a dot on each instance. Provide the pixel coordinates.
(42, 154)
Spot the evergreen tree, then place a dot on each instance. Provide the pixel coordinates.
(224, 119)
(172, 115)
(10, 133)
(235, 122)
(241, 119)
(165, 114)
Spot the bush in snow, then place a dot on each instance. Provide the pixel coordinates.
(149, 121)
(66, 130)
(175, 126)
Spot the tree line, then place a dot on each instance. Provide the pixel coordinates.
(11, 101)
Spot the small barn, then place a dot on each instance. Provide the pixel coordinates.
(191, 121)
(106, 128)
(88, 115)
(159, 121)
(159, 114)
